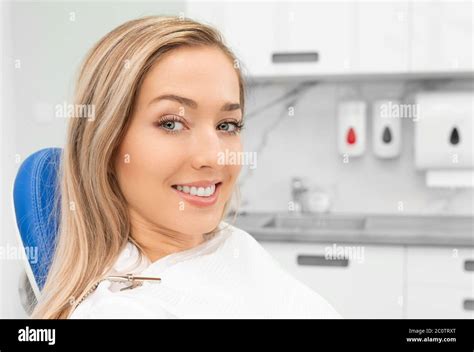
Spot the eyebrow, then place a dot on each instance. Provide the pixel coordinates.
(191, 103)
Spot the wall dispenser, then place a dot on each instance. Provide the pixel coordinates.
(351, 133)
(386, 128)
(443, 138)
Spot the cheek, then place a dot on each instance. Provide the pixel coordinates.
(144, 165)
(235, 144)
(232, 170)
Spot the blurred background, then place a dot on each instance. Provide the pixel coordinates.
(359, 138)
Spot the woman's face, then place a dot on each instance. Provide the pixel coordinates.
(169, 165)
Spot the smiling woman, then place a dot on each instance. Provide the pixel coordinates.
(187, 110)
(149, 192)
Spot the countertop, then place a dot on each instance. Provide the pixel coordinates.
(420, 230)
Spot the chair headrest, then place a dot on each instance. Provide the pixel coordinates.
(36, 196)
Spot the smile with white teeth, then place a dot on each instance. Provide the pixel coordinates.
(197, 191)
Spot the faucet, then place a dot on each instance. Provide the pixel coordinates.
(298, 190)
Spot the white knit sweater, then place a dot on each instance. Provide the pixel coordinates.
(228, 276)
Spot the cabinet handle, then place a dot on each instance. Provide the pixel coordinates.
(468, 304)
(321, 260)
(309, 56)
(469, 265)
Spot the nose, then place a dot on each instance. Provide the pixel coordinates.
(206, 148)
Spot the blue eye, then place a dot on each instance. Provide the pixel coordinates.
(170, 124)
(173, 124)
(230, 127)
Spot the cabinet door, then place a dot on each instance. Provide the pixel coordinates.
(450, 267)
(442, 38)
(284, 38)
(439, 302)
(382, 29)
(313, 37)
(440, 282)
(359, 281)
(248, 29)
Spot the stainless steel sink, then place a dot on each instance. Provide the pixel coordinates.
(316, 221)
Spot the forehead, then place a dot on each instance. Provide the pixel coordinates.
(204, 74)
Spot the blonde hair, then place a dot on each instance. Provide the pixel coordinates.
(94, 225)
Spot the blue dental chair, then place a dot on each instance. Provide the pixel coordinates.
(34, 193)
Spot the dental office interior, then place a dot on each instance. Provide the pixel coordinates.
(358, 157)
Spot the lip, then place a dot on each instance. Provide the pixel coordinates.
(201, 202)
(202, 183)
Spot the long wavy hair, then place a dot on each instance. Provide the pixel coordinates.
(94, 224)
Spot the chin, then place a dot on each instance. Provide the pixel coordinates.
(202, 223)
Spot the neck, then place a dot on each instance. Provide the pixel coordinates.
(158, 242)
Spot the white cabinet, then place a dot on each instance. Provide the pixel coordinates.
(444, 266)
(313, 38)
(383, 43)
(442, 36)
(369, 284)
(440, 283)
(384, 281)
(414, 36)
(248, 29)
(284, 38)
(439, 302)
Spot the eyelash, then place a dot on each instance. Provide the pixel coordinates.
(239, 125)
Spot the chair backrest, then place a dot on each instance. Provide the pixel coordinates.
(35, 196)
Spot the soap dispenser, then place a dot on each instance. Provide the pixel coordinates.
(351, 127)
(386, 128)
